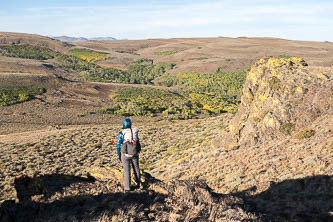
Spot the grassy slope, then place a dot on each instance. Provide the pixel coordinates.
(36, 40)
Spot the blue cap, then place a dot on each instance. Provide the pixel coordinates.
(127, 123)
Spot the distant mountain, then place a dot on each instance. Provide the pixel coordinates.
(69, 39)
(102, 38)
(80, 39)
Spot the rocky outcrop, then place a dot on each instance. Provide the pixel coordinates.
(282, 130)
(280, 97)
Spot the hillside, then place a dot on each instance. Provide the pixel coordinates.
(207, 54)
(202, 55)
(9, 38)
(217, 146)
(80, 39)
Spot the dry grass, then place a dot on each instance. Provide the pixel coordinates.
(210, 53)
(36, 40)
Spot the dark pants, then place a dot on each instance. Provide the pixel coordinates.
(127, 162)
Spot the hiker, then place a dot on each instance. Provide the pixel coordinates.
(128, 148)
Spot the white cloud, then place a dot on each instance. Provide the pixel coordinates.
(210, 18)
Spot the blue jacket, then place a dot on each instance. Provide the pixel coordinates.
(127, 123)
(120, 141)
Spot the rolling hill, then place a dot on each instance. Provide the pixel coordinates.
(233, 129)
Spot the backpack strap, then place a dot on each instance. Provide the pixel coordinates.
(131, 134)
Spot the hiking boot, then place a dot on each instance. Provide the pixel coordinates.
(138, 186)
(127, 190)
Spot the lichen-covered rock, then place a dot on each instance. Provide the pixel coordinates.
(280, 96)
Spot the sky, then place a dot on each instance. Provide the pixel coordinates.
(133, 19)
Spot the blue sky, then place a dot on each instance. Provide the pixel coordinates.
(134, 19)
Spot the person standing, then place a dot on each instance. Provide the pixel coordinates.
(128, 148)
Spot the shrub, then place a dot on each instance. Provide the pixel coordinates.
(145, 60)
(91, 71)
(88, 55)
(170, 52)
(305, 134)
(199, 58)
(147, 101)
(287, 128)
(27, 52)
(137, 73)
(81, 60)
(12, 95)
(146, 73)
(217, 92)
(275, 83)
(219, 69)
(128, 51)
(284, 57)
(215, 84)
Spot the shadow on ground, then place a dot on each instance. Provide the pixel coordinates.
(80, 207)
(306, 199)
(46, 185)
